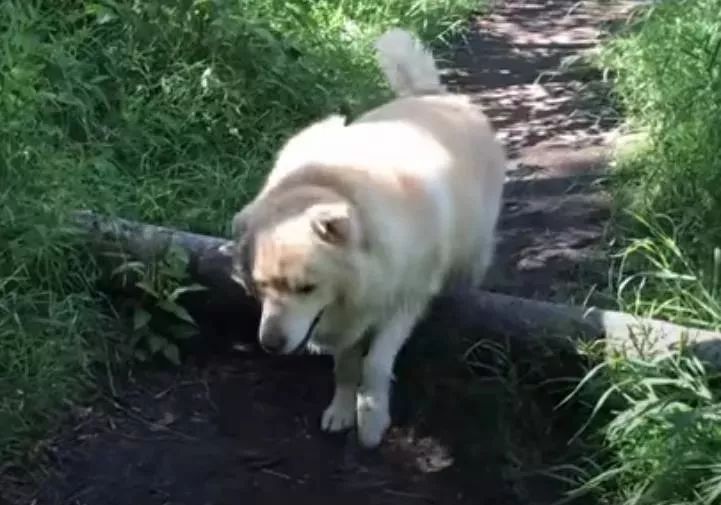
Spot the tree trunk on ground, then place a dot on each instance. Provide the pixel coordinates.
(476, 311)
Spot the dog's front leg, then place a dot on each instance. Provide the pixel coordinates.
(341, 413)
(373, 409)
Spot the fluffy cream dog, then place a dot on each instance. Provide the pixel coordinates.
(360, 225)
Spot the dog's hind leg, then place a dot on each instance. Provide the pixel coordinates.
(374, 394)
(341, 413)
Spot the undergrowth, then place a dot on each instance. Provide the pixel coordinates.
(653, 425)
(667, 75)
(656, 419)
(167, 112)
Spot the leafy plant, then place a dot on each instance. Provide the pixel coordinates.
(160, 286)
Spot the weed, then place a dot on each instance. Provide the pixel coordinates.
(158, 317)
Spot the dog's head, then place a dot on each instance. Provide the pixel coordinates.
(297, 263)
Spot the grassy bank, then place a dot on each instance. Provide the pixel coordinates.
(667, 70)
(167, 112)
(657, 422)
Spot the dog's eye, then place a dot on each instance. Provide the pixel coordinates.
(305, 289)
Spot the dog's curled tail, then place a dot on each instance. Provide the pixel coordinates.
(409, 67)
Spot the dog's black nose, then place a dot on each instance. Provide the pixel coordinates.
(273, 343)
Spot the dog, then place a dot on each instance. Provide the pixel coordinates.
(359, 225)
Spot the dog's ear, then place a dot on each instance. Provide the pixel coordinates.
(240, 223)
(239, 248)
(333, 223)
(238, 227)
(240, 252)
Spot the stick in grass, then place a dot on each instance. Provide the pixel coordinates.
(476, 311)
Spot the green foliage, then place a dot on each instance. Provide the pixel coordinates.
(657, 420)
(658, 423)
(168, 112)
(161, 284)
(667, 70)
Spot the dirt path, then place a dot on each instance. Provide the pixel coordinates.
(245, 429)
(556, 135)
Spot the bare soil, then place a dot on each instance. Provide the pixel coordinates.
(241, 427)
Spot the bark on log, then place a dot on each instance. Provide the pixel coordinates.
(478, 311)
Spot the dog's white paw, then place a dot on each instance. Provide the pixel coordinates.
(373, 420)
(340, 414)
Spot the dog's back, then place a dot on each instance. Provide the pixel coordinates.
(469, 181)
(426, 168)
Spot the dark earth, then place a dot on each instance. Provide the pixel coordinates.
(237, 426)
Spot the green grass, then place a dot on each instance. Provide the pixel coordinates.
(654, 426)
(667, 75)
(162, 111)
(656, 422)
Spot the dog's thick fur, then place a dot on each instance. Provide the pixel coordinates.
(360, 225)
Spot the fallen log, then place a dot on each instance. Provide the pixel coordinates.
(478, 311)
